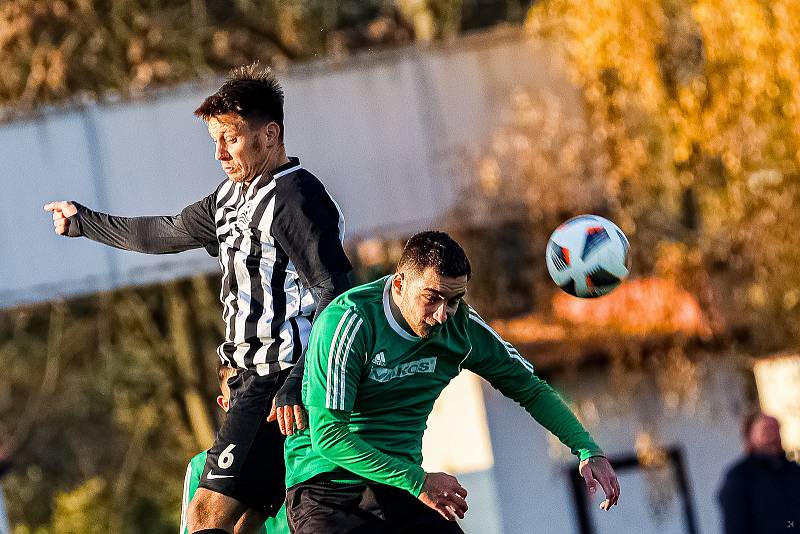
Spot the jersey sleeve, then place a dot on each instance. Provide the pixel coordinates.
(193, 228)
(498, 361)
(198, 219)
(334, 364)
(306, 225)
(332, 438)
(185, 500)
(335, 359)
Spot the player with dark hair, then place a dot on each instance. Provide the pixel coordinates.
(378, 358)
(278, 235)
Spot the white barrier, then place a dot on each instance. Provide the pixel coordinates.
(389, 133)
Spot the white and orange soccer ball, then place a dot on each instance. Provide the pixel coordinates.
(588, 256)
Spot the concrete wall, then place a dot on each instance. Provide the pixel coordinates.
(390, 133)
(529, 466)
(518, 482)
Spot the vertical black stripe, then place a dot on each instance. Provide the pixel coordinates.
(278, 302)
(233, 286)
(253, 265)
(250, 333)
(225, 263)
(222, 201)
(297, 343)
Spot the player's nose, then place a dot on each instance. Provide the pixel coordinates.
(440, 315)
(220, 152)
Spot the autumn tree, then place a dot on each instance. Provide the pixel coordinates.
(105, 399)
(686, 133)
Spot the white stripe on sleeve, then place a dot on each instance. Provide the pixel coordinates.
(343, 366)
(329, 383)
(512, 352)
(342, 342)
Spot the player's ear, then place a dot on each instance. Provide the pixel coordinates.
(272, 132)
(397, 282)
(223, 403)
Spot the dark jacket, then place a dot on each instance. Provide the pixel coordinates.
(761, 495)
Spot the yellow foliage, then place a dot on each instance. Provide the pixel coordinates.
(692, 119)
(82, 510)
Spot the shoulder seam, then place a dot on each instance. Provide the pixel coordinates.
(510, 349)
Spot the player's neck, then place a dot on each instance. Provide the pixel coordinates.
(398, 315)
(269, 167)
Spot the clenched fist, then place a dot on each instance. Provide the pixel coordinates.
(62, 211)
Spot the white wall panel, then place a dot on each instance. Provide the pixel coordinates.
(387, 133)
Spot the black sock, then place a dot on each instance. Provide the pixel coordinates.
(211, 531)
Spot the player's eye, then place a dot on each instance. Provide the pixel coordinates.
(230, 140)
(429, 298)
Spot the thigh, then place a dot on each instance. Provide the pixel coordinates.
(210, 509)
(409, 515)
(251, 522)
(315, 507)
(246, 461)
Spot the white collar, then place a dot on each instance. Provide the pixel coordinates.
(387, 310)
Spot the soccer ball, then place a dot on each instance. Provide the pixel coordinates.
(587, 256)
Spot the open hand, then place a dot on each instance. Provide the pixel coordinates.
(287, 406)
(597, 470)
(289, 417)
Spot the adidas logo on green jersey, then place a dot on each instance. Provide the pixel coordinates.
(379, 359)
(384, 374)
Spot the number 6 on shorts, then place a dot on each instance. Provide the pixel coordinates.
(226, 457)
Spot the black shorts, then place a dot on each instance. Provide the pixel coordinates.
(320, 506)
(246, 461)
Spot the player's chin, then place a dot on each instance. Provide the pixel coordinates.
(234, 175)
(425, 330)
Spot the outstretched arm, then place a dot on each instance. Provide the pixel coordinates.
(194, 227)
(499, 362)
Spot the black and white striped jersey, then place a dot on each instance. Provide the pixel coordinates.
(276, 239)
(272, 251)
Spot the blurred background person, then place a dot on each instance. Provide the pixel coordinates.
(760, 493)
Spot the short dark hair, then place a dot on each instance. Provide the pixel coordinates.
(252, 92)
(437, 250)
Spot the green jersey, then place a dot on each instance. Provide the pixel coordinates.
(369, 386)
(194, 471)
